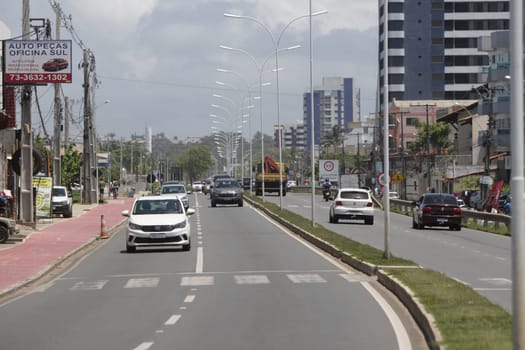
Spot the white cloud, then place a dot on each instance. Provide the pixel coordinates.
(117, 15)
(5, 33)
(342, 14)
(141, 65)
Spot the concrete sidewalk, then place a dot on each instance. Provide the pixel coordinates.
(51, 242)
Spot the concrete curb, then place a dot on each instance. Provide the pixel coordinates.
(424, 320)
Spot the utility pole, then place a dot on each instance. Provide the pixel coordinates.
(67, 118)
(57, 119)
(88, 198)
(26, 159)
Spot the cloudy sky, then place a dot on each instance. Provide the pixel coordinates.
(157, 60)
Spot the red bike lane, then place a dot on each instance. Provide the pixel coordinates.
(43, 249)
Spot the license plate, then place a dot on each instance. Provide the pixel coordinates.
(158, 235)
(441, 220)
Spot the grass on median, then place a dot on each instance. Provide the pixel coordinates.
(465, 319)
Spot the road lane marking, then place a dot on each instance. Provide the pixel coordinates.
(142, 283)
(403, 341)
(200, 260)
(306, 278)
(172, 320)
(94, 285)
(189, 299)
(197, 281)
(251, 279)
(497, 281)
(144, 346)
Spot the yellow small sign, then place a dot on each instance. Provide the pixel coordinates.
(397, 177)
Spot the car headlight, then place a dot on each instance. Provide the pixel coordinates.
(180, 224)
(133, 226)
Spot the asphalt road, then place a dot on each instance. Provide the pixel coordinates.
(246, 284)
(478, 259)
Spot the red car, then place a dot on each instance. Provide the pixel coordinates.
(55, 64)
(436, 209)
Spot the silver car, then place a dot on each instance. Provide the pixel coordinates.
(158, 221)
(226, 191)
(353, 204)
(176, 189)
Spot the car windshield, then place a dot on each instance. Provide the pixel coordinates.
(157, 206)
(440, 199)
(173, 189)
(353, 195)
(59, 192)
(227, 184)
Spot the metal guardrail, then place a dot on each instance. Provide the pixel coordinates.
(467, 215)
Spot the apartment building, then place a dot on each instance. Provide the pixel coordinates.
(336, 102)
(433, 46)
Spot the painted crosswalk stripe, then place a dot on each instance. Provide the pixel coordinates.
(251, 279)
(93, 285)
(142, 283)
(306, 278)
(197, 281)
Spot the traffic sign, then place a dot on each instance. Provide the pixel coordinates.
(382, 179)
(397, 178)
(329, 169)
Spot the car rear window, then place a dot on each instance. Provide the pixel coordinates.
(353, 195)
(227, 184)
(173, 189)
(440, 199)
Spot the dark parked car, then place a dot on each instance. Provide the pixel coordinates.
(226, 191)
(55, 64)
(436, 209)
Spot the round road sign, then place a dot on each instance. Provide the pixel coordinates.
(329, 165)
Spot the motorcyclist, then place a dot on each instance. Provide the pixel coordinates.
(327, 186)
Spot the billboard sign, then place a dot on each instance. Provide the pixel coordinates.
(43, 187)
(36, 61)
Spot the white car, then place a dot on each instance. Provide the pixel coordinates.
(176, 189)
(353, 204)
(158, 221)
(196, 186)
(61, 201)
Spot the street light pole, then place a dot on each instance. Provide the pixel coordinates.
(517, 182)
(275, 43)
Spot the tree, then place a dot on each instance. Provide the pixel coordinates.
(195, 161)
(438, 138)
(335, 138)
(71, 163)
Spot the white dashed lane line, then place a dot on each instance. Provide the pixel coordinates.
(189, 299)
(172, 320)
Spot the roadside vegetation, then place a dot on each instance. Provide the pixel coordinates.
(465, 319)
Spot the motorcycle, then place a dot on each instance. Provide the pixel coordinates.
(5, 207)
(327, 194)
